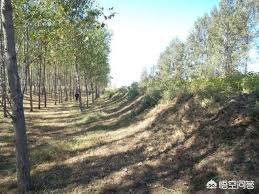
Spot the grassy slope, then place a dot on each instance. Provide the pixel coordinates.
(175, 147)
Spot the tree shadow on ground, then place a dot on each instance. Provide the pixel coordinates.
(123, 108)
(109, 103)
(121, 105)
(94, 168)
(187, 147)
(119, 120)
(216, 148)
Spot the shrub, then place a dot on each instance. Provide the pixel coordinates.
(133, 91)
(173, 87)
(226, 85)
(148, 101)
(250, 83)
(151, 99)
(110, 93)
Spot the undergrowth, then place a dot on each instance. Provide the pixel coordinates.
(215, 86)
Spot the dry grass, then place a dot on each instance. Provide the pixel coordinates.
(174, 148)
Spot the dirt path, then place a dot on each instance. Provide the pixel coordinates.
(73, 152)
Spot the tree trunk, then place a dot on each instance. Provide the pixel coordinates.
(73, 89)
(87, 92)
(30, 89)
(59, 87)
(22, 159)
(61, 90)
(44, 78)
(61, 94)
(34, 84)
(3, 81)
(50, 89)
(39, 83)
(92, 91)
(96, 91)
(70, 87)
(66, 94)
(65, 87)
(26, 61)
(4, 91)
(78, 85)
(28, 69)
(55, 84)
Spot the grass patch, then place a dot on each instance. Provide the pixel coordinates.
(86, 141)
(48, 153)
(90, 118)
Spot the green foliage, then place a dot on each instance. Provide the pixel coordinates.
(210, 86)
(173, 87)
(149, 100)
(133, 91)
(250, 83)
(110, 93)
(214, 58)
(114, 94)
(66, 32)
(226, 85)
(214, 86)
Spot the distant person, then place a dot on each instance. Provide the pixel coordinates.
(77, 95)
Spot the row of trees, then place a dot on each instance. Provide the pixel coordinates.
(59, 48)
(218, 45)
(61, 45)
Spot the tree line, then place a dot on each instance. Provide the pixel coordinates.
(61, 46)
(52, 50)
(217, 47)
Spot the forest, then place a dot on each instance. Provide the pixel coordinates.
(193, 116)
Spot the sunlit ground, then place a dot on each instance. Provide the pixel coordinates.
(176, 147)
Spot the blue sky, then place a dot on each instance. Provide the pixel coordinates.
(143, 28)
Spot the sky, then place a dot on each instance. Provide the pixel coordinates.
(143, 28)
